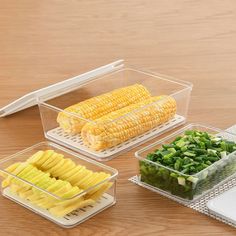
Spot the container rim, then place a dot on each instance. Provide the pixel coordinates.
(174, 134)
(187, 86)
(114, 172)
(159, 76)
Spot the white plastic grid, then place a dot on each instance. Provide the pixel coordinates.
(200, 204)
(75, 141)
(70, 220)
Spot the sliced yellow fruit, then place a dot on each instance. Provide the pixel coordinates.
(87, 174)
(26, 171)
(57, 185)
(34, 178)
(14, 188)
(22, 175)
(72, 192)
(67, 166)
(36, 157)
(50, 162)
(70, 173)
(56, 160)
(42, 179)
(55, 167)
(46, 202)
(61, 211)
(12, 167)
(68, 202)
(86, 182)
(9, 178)
(65, 188)
(75, 177)
(102, 176)
(25, 194)
(81, 174)
(47, 154)
(100, 192)
(51, 172)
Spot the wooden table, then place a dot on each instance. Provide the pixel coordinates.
(43, 42)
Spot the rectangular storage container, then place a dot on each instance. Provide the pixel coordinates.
(164, 179)
(75, 217)
(119, 76)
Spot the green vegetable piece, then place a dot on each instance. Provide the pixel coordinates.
(223, 154)
(196, 139)
(185, 171)
(202, 145)
(177, 165)
(208, 163)
(192, 179)
(172, 150)
(190, 154)
(180, 143)
(164, 153)
(174, 175)
(181, 181)
(184, 148)
(167, 146)
(177, 138)
(199, 151)
(188, 165)
(151, 156)
(211, 151)
(213, 158)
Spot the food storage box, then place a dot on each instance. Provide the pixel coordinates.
(75, 217)
(163, 179)
(53, 99)
(118, 76)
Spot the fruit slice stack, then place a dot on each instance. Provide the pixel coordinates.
(51, 172)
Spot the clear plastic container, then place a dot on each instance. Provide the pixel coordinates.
(159, 178)
(76, 217)
(120, 77)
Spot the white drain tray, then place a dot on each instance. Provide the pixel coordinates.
(75, 141)
(74, 218)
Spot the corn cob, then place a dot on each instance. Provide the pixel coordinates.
(99, 106)
(119, 126)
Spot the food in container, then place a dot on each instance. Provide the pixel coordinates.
(116, 106)
(52, 172)
(96, 107)
(189, 162)
(63, 120)
(105, 134)
(55, 183)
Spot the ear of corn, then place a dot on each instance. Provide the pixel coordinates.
(119, 126)
(99, 106)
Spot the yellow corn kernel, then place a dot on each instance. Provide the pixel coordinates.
(99, 106)
(128, 122)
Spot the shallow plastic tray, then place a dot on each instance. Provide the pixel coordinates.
(80, 215)
(119, 76)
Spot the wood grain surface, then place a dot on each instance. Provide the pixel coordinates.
(43, 42)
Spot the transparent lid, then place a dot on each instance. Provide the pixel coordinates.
(55, 90)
